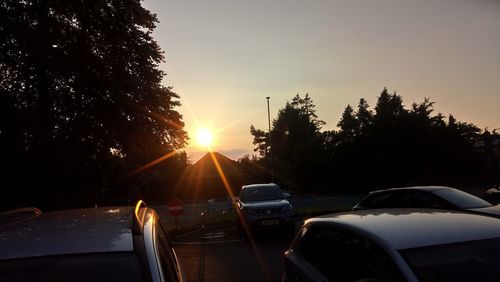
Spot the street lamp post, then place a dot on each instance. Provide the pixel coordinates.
(270, 141)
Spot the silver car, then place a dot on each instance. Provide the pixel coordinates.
(431, 197)
(94, 244)
(396, 245)
(264, 207)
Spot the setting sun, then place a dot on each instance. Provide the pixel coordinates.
(204, 137)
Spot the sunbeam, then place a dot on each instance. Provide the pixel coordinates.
(227, 186)
(150, 164)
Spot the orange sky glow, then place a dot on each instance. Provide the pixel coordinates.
(223, 57)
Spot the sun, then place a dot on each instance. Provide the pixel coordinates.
(204, 137)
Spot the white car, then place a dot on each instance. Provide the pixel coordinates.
(396, 245)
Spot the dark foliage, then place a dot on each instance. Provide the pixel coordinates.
(388, 147)
(80, 100)
(297, 143)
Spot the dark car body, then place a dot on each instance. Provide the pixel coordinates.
(93, 244)
(396, 245)
(434, 197)
(264, 206)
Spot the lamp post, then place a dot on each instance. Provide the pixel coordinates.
(270, 141)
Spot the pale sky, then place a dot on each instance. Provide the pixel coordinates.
(223, 57)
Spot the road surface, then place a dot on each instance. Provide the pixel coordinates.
(221, 255)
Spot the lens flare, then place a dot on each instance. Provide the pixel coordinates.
(204, 137)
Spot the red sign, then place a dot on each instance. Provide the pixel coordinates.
(175, 207)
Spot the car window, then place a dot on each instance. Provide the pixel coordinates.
(404, 199)
(469, 261)
(96, 267)
(342, 256)
(256, 194)
(380, 200)
(422, 199)
(461, 199)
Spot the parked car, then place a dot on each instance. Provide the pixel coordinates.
(264, 206)
(434, 197)
(396, 245)
(93, 244)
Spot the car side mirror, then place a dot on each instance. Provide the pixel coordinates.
(286, 195)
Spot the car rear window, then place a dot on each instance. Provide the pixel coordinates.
(264, 193)
(95, 267)
(461, 199)
(467, 261)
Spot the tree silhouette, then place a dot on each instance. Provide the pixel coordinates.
(389, 146)
(364, 116)
(306, 107)
(81, 92)
(389, 108)
(349, 125)
(297, 145)
(396, 146)
(261, 140)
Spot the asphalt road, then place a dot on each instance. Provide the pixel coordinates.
(220, 255)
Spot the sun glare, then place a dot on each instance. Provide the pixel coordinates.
(205, 137)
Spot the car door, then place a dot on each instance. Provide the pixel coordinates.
(328, 253)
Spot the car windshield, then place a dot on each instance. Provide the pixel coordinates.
(95, 267)
(467, 261)
(461, 199)
(261, 194)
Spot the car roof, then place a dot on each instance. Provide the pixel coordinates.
(423, 188)
(75, 231)
(259, 185)
(411, 228)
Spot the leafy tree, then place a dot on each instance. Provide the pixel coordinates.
(81, 95)
(467, 130)
(306, 107)
(349, 124)
(400, 147)
(261, 140)
(422, 110)
(364, 116)
(389, 146)
(297, 144)
(389, 107)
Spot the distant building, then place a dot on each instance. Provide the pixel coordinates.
(210, 178)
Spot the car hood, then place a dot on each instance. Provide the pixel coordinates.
(267, 204)
(493, 210)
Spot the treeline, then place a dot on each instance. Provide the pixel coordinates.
(385, 146)
(82, 105)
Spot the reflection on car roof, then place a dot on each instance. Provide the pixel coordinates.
(424, 188)
(410, 228)
(75, 231)
(259, 185)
